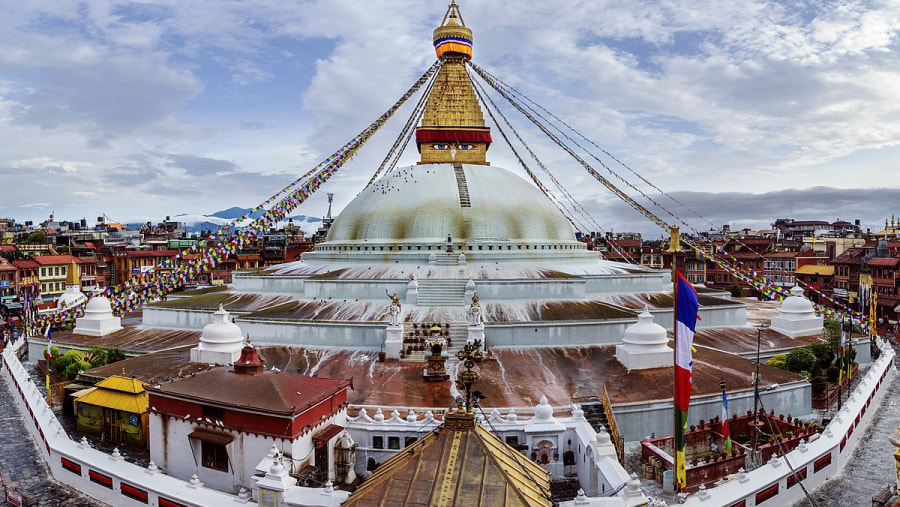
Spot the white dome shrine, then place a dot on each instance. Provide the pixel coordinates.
(220, 342)
(797, 317)
(483, 209)
(98, 317)
(645, 345)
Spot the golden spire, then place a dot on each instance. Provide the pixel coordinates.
(73, 276)
(453, 127)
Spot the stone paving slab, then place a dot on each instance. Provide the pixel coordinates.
(22, 466)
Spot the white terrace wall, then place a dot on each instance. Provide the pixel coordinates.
(107, 478)
(816, 461)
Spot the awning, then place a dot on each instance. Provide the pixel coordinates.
(213, 437)
(328, 433)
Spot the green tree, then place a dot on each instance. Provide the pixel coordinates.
(831, 332)
(735, 290)
(801, 359)
(778, 361)
(824, 355)
(36, 238)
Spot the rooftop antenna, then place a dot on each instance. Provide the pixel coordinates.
(330, 199)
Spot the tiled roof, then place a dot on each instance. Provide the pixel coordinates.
(269, 391)
(55, 260)
(26, 264)
(884, 262)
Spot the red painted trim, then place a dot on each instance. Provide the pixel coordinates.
(452, 136)
(103, 480)
(822, 462)
(767, 494)
(133, 492)
(71, 466)
(165, 502)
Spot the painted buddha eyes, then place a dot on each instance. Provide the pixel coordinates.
(447, 146)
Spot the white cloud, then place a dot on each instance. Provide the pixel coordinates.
(171, 105)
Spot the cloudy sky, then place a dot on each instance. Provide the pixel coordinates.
(742, 110)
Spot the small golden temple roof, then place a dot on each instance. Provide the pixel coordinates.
(459, 463)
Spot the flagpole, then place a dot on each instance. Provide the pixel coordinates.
(674, 244)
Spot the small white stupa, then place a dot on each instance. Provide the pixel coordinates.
(220, 342)
(645, 345)
(98, 317)
(73, 295)
(797, 317)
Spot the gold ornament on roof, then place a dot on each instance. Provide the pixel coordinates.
(73, 276)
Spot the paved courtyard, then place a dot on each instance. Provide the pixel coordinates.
(22, 466)
(871, 466)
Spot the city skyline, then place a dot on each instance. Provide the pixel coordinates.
(144, 110)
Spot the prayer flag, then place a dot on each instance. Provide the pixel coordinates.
(726, 433)
(686, 317)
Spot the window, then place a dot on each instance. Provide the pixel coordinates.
(378, 442)
(215, 456)
(409, 441)
(512, 440)
(393, 442)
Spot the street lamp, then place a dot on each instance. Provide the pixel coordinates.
(756, 423)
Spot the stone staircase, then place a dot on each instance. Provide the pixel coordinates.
(442, 292)
(458, 333)
(461, 186)
(594, 413)
(446, 258)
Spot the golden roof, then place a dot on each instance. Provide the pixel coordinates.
(812, 269)
(118, 393)
(73, 275)
(459, 463)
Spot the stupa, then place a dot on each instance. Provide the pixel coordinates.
(429, 236)
(797, 316)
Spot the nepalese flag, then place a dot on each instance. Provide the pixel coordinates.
(726, 433)
(686, 316)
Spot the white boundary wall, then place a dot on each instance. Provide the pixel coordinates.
(816, 461)
(86, 468)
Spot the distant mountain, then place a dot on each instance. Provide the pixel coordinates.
(215, 221)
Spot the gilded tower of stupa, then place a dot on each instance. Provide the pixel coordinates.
(453, 127)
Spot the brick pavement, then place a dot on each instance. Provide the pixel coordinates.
(22, 466)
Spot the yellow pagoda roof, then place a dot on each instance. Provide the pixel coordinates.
(459, 463)
(116, 392)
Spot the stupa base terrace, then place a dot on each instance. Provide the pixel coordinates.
(525, 304)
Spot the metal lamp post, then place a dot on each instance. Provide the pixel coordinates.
(756, 422)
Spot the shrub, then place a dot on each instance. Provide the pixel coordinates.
(832, 373)
(735, 290)
(72, 370)
(819, 385)
(801, 359)
(114, 354)
(824, 355)
(778, 361)
(97, 356)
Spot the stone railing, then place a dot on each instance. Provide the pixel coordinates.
(814, 462)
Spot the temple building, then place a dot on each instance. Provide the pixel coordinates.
(220, 424)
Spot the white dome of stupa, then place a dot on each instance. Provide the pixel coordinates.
(220, 342)
(797, 317)
(796, 303)
(98, 319)
(645, 345)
